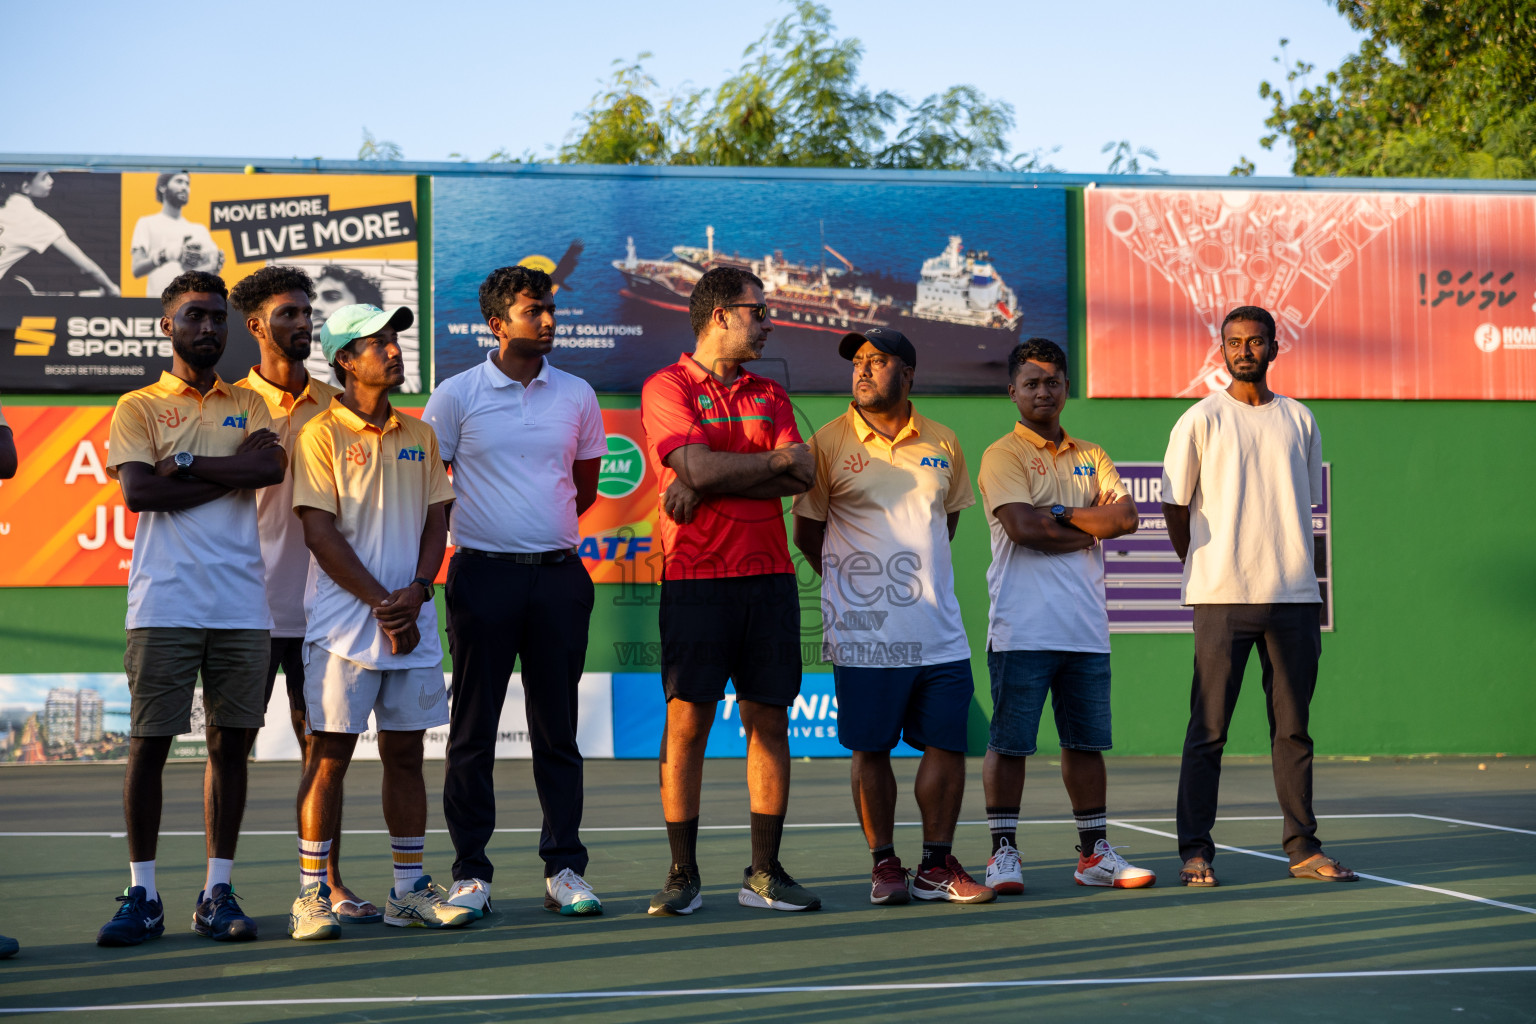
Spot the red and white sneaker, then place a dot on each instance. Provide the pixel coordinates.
(950, 883)
(1106, 867)
(888, 883)
(1005, 872)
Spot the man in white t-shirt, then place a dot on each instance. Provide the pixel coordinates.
(1243, 470)
(24, 230)
(526, 444)
(166, 243)
(876, 525)
(1050, 499)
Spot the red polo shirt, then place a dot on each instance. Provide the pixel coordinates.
(729, 536)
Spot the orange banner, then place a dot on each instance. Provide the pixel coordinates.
(63, 522)
(1375, 294)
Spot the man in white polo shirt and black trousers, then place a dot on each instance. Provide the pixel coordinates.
(876, 525)
(525, 441)
(1244, 468)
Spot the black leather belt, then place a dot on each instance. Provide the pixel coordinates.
(524, 558)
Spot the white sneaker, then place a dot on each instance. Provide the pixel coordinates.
(1005, 872)
(422, 906)
(312, 916)
(1106, 867)
(471, 893)
(569, 893)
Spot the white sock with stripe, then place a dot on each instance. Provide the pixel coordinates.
(407, 852)
(312, 858)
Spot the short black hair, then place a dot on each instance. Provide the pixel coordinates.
(249, 294)
(164, 179)
(363, 288)
(1258, 314)
(1036, 350)
(504, 284)
(192, 281)
(716, 288)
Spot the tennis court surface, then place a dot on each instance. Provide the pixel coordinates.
(1443, 926)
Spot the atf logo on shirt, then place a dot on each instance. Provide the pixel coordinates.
(935, 462)
(357, 453)
(1083, 471)
(415, 454)
(235, 421)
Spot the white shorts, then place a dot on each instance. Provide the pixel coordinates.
(339, 694)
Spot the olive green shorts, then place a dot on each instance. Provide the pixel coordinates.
(163, 664)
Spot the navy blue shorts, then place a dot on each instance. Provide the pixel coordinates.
(1078, 683)
(927, 705)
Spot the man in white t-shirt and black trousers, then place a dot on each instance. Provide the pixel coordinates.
(526, 442)
(1244, 468)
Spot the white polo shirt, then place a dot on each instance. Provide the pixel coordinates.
(1250, 476)
(888, 584)
(512, 448)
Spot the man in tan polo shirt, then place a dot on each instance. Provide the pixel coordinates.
(190, 451)
(276, 303)
(1050, 499)
(877, 524)
(370, 488)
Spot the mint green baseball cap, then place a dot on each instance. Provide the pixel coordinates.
(349, 323)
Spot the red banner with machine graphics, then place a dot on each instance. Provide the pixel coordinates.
(1375, 295)
(63, 522)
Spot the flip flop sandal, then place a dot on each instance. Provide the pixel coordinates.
(1193, 872)
(366, 913)
(1311, 868)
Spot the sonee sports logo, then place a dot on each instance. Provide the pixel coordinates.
(34, 335)
(416, 453)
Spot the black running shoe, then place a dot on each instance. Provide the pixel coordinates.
(680, 895)
(219, 917)
(139, 918)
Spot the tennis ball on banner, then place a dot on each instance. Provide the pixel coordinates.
(250, 168)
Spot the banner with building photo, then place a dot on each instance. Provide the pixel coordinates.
(84, 257)
(1390, 295)
(964, 271)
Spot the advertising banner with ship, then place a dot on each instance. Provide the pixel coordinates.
(1394, 295)
(964, 271)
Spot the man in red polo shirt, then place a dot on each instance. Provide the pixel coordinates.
(724, 444)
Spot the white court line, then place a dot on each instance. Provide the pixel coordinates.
(776, 990)
(1375, 878)
(821, 824)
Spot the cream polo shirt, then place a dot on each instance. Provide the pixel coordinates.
(888, 585)
(1250, 476)
(378, 484)
(282, 535)
(200, 567)
(1041, 601)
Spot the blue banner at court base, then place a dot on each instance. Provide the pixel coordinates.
(640, 709)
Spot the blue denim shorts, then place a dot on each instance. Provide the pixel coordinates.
(927, 705)
(1078, 683)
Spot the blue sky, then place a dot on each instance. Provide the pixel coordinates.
(286, 78)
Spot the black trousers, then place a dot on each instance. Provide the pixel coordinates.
(499, 611)
(1289, 640)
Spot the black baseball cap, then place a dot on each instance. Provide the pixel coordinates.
(887, 339)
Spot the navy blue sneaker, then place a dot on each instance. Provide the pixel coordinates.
(218, 916)
(8, 946)
(138, 918)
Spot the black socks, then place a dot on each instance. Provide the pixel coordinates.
(684, 839)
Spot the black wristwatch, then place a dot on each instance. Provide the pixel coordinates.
(1062, 514)
(183, 462)
(426, 585)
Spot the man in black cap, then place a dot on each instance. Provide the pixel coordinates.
(876, 525)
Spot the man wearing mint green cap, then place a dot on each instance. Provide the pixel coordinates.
(370, 489)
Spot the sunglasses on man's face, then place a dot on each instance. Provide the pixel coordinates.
(759, 309)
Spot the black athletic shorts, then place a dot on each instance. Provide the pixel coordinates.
(287, 655)
(742, 628)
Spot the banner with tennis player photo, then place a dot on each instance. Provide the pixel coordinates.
(84, 257)
(1393, 295)
(63, 522)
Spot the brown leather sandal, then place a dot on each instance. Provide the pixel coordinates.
(1197, 873)
(1316, 865)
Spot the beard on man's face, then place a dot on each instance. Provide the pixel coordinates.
(198, 356)
(1249, 371)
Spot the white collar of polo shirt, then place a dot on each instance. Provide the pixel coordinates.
(500, 380)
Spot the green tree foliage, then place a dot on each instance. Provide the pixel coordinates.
(1439, 88)
(377, 149)
(1126, 159)
(796, 101)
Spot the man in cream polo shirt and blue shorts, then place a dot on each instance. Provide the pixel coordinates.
(372, 494)
(877, 524)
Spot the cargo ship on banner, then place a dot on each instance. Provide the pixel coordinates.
(957, 288)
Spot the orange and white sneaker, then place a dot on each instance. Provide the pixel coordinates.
(950, 883)
(1107, 867)
(1005, 873)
